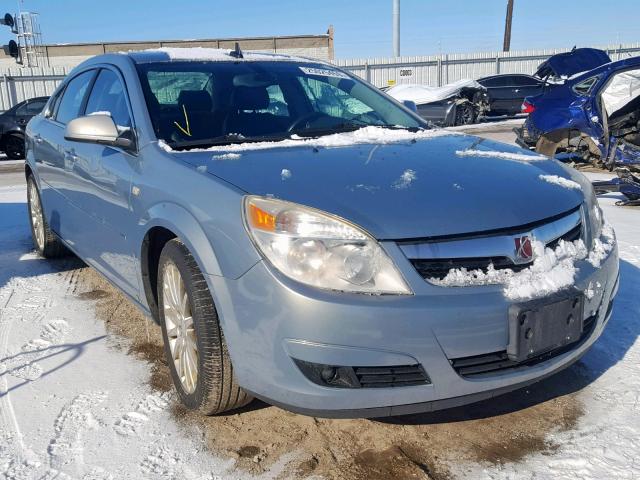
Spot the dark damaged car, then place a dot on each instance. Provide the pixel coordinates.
(458, 103)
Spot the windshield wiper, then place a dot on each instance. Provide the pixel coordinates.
(320, 131)
(228, 139)
(349, 127)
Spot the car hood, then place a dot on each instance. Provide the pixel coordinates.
(423, 94)
(403, 190)
(569, 63)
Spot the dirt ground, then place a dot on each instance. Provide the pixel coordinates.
(419, 446)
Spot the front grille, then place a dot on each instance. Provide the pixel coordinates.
(439, 268)
(404, 376)
(363, 377)
(571, 236)
(491, 363)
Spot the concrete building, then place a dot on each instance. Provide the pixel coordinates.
(70, 55)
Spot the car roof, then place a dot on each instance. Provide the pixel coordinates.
(201, 54)
(500, 75)
(611, 67)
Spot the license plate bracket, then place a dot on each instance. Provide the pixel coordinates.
(540, 326)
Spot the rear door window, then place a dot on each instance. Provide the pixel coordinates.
(496, 82)
(73, 97)
(524, 81)
(31, 108)
(108, 96)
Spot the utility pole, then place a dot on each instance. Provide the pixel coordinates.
(396, 28)
(507, 27)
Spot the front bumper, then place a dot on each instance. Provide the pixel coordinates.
(269, 320)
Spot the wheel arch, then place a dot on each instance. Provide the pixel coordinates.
(169, 221)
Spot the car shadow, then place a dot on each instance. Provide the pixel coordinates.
(38, 355)
(618, 337)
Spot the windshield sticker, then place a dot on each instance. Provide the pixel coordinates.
(324, 72)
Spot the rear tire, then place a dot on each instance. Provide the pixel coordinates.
(14, 147)
(46, 243)
(194, 344)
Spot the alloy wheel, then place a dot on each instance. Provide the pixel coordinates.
(180, 328)
(37, 220)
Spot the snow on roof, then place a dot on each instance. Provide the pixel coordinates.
(362, 136)
(563, 182)
(504, 155)
(551, 272)
(199, 54)
(421, 94)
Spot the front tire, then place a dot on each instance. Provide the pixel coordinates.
(46, 243)
(194, 344)
(465, 114)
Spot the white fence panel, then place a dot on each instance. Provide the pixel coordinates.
(437, 70)
(19, 84)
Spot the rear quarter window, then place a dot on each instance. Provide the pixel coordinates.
(585, 87)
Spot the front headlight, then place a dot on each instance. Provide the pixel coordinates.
(319, 249)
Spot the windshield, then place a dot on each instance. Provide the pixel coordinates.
(199, 103)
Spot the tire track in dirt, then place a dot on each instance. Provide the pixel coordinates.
(503, 430)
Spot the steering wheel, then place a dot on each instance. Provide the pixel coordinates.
(298, 122)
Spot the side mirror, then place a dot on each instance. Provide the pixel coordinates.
(411, 105)
(96, 129)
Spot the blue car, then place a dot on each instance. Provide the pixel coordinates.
(591, 107)
(303, 238)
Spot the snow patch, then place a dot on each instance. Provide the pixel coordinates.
(226, 156)
(285, 174)
(405, 180)
(602, 246)
(551, 271)
(362, 136)
(504, 155)
(199, 54)
(561, 181)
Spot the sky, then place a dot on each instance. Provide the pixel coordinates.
(362, 27)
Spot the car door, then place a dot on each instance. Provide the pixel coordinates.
(103, 175)
(499, 92)
(523, 86)
(57, 186)
(28, 110)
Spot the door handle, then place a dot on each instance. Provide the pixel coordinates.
(71, 155)
(38, 138)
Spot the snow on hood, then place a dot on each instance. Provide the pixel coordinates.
(421, 94)
(622, 89)
(362, 136)
(551, 272)
(395, 184)
(526, 157)
(560, 181)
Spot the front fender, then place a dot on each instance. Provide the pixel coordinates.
(177, 219)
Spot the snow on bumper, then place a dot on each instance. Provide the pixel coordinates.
(269, 320)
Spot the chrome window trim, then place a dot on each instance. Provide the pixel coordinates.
(493, 246)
